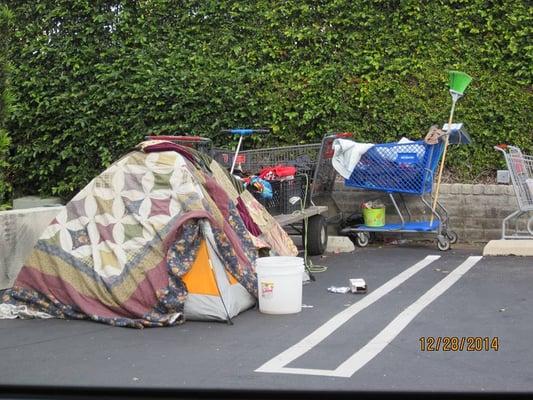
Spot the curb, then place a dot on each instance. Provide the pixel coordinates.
(509, 248)
(339, 244)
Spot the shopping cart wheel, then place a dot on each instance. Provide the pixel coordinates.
(317, 235)
(443, 243)
(452, 236)
(362, 239)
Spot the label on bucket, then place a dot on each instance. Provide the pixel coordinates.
(267, 289)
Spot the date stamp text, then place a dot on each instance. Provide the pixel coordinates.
(459, 343)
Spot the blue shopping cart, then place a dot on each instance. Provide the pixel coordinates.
(402, 169)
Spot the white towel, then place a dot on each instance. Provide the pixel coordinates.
(347, 154)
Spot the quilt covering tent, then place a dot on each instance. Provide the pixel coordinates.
(162, 235)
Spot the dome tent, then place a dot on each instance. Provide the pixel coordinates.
(162, 235)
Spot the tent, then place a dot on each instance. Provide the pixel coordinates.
(162, 235)
(213, 292)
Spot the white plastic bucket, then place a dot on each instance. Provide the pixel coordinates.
(279, 281)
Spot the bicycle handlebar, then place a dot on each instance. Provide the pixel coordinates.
(245, 132)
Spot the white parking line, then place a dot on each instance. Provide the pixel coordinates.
(379, 342)
(303, 346)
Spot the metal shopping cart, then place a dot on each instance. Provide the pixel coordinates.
(520, 167)
(313, 160)
(402, 169)
(315, 178)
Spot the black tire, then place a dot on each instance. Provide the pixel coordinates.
(317, 235)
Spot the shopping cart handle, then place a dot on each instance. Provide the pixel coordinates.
(500, 147)
(344, 134)
(245, 132)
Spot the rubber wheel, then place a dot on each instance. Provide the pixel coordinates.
(443, 243)
(317, 235)
(362, 239)
(452, 236)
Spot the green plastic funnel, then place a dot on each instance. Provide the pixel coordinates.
(459, 81)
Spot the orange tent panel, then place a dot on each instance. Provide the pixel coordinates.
(201, 278)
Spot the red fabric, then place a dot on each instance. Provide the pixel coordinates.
(279, 171)
(252, 227)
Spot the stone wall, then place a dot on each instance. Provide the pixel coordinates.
(476, 211)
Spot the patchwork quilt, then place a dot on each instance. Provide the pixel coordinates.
(106, 256)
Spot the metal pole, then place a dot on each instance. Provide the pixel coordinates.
(236, 153)
(455, 97)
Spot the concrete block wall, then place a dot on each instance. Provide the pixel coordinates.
(19, 231)
(476, 211)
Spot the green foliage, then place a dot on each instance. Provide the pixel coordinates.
(5, 26)
(91, 78)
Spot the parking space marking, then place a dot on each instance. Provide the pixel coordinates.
(360, 358)
(398, 324)
(277, 364)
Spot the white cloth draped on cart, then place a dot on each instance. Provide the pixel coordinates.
(391, 153)
(347, 154)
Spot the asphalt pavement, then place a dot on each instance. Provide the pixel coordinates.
(338, 342)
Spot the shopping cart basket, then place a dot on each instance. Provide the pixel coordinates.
(402, 168)
(312, 160)
(520, 167)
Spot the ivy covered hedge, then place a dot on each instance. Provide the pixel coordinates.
(92, 77)
(5, 25)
